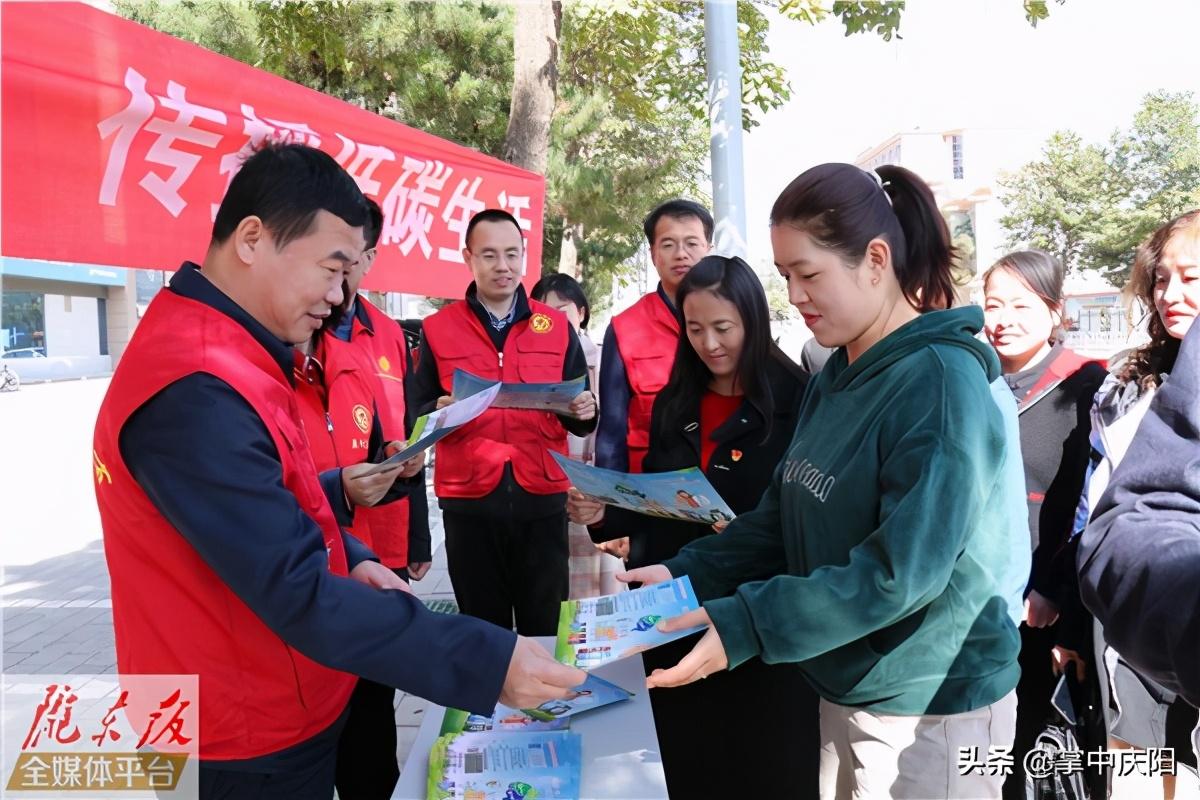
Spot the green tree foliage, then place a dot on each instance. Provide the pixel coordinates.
(1092, 205)
(630, 129)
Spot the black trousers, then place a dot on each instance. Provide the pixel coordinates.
(312, 781)
(751, 732)
(503, 568)
(366, 751)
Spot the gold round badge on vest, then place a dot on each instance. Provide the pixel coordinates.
(384, 364)
(540, 323)
(362, 418)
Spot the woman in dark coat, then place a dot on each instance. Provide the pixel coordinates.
(729, 408)
(1054, 387)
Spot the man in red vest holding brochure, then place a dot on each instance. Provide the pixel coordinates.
(399, 531)
(225, 547)
(639, 345)
(502, 495)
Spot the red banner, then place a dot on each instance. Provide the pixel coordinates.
(119, 141)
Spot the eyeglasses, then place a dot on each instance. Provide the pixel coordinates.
(491, 258)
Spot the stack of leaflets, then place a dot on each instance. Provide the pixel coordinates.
(549, 716)
(505, 766)
(515, 754)
(594, 631)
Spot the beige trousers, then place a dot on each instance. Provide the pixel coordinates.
(867, 756)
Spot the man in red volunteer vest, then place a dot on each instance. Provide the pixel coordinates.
(503, 497)
(337, 394)
(400, 530)
(224, 546)
(639, 345)
(364, 339)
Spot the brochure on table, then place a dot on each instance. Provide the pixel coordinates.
(684, 494)
(597, 630)
(552, 715)
(505, 766)
(440, 423)
(554, 397)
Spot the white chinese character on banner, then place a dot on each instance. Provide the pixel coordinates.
(514, 205)
(126, 124)
(366, 158)
(458, 212)
(407, 214)
(259, 130)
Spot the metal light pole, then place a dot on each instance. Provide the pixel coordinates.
(725, 122)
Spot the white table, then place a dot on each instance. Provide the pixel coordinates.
(621, 760)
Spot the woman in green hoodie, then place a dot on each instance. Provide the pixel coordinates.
(884, 558)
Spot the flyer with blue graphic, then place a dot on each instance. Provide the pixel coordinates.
(684, 494)
(596, 630)
(505, 766)
(552, 715)
(436, 425)
(555, 397)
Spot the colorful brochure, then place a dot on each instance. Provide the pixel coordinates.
(505, 766)
(554, 397)
(684, 494)
(549, 716)
(597, 630)
(438, 424)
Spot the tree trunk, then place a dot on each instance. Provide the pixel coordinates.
(535, 79)
(568, 254)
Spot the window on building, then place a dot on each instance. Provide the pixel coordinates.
(956, 155)
(22, 320)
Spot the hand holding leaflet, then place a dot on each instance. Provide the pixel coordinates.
(552, 715)
(438, 424)
(597, 630)
(684, 494)
(555, 397)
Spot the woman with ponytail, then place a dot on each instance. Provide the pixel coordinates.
(888, 554)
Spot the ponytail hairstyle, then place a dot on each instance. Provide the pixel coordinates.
(733, 280)
(1042, 273)
(843, 208)
(1157, 357)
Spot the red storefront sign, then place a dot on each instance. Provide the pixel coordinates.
(119, 141)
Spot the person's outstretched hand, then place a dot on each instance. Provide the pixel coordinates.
(535, 677)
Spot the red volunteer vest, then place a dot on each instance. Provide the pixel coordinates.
(470, 461)
(171, 612)
(1065, 364)
(647, 335)
(336, 407)
(383, 351)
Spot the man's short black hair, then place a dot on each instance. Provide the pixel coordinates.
(678, 209)
(285, 185)
(374, 225)
(492, 215)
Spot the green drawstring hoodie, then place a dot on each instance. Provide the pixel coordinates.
(880, 557)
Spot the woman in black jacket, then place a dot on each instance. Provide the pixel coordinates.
(729, 408)
(1053, 387)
